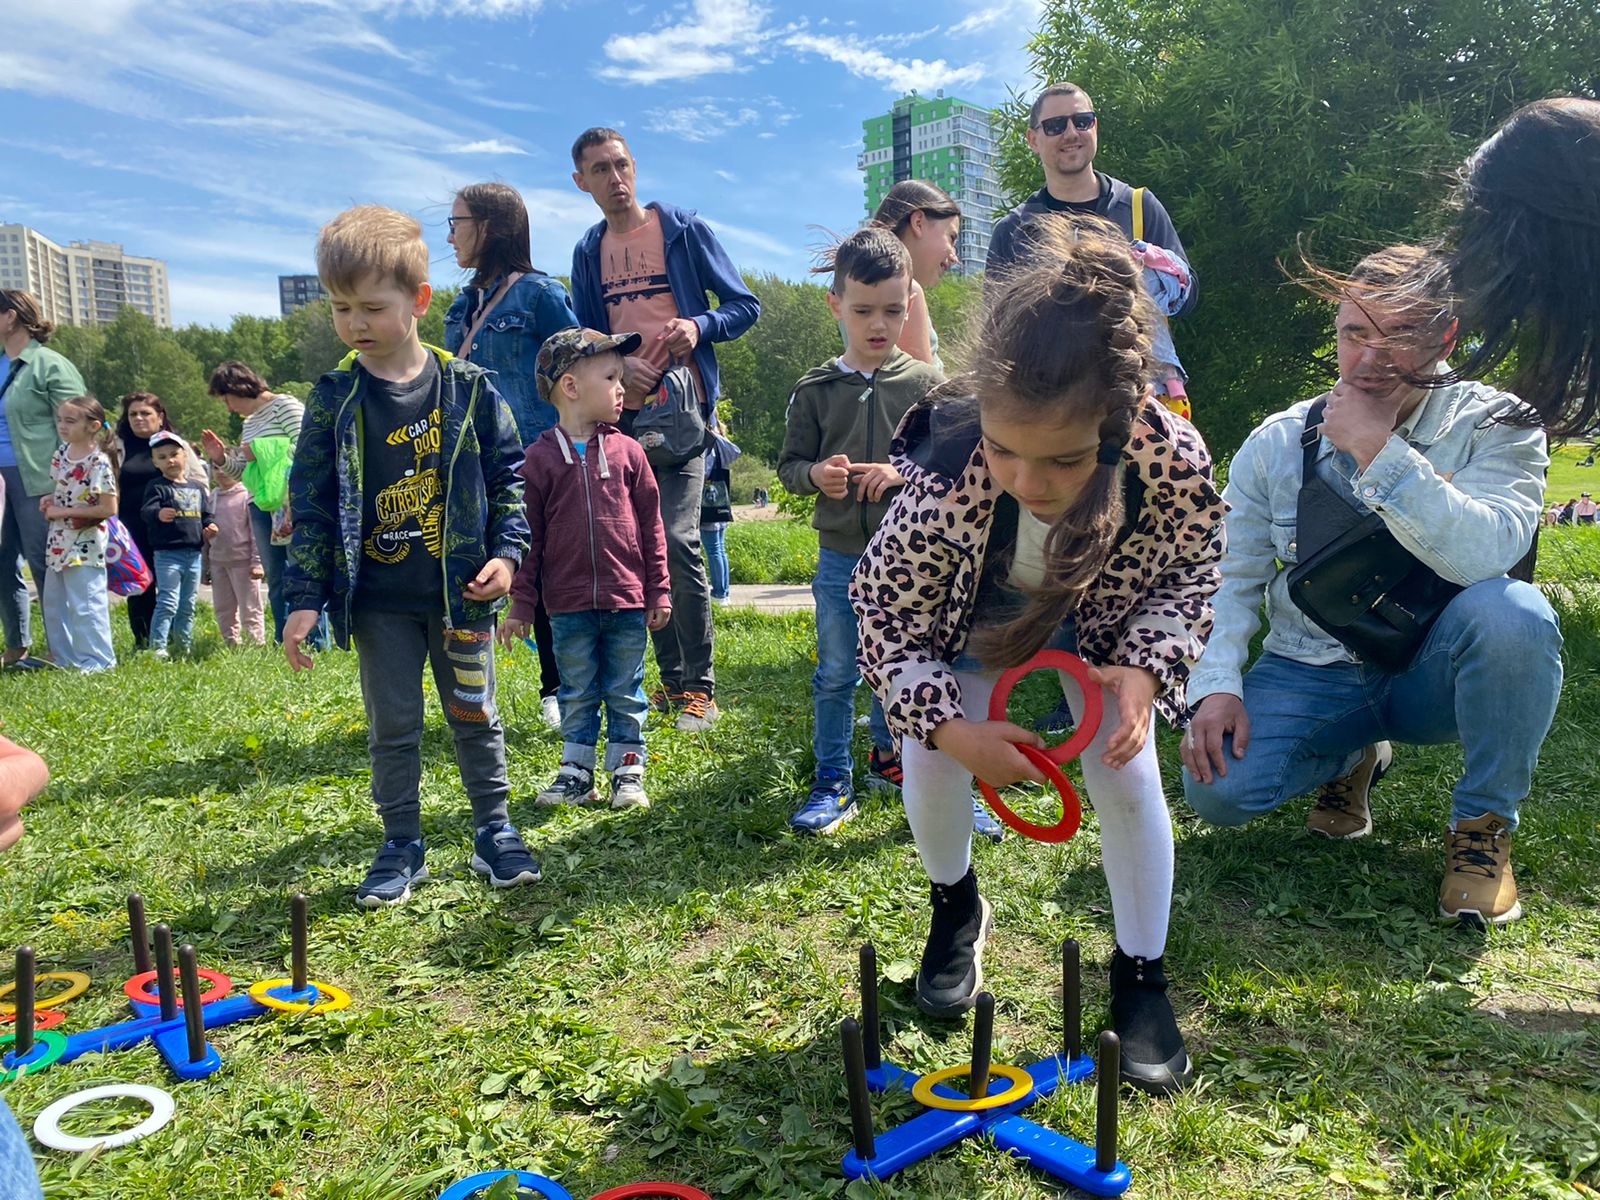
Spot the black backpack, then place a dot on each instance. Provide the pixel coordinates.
(672, 426)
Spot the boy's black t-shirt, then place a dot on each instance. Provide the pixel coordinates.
(190, 500)
(402, 495)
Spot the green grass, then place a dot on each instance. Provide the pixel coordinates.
(665, 1004)
(776, 551)
(1566, 479)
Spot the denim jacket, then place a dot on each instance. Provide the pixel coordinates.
(508, 344)
(478, 461)
(1457, 489)
(696, 264)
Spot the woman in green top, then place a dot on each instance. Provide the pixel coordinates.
(36, 383)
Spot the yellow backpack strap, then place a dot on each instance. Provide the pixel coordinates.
(1138, 214)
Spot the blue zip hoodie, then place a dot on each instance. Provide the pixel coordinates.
(696, 264)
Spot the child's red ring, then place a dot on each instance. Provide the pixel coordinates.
(137, 988)
(1050, 762)
(631, 1191)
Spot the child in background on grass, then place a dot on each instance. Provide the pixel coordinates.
(235, 563)
(1049, 502)
(408, 527)
(77, 609)
(177, 514)
(598, 561)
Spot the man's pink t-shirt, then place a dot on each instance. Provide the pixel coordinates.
(634, 287)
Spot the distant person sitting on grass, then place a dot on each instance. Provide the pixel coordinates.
(409, 524)
(1458, 482)
(597, 560)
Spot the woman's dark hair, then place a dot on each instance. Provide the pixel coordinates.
(234, 378)
(909, 197)
(28, 313)
(125, 430)
(1066, 338)
(870, 255)
(504, 240)
(1523, 260)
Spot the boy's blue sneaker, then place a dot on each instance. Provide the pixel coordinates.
(1058, 720)
(831, 802)
(389, 879)
(984, 824)
(500, 854)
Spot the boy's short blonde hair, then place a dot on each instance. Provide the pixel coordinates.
(371, 240)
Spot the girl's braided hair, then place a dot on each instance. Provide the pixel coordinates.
(1066, 339)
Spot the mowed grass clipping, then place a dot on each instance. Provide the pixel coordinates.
(666, 1003)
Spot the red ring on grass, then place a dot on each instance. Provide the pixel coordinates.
(137, 988)
(632, 1191)
(43, 1018)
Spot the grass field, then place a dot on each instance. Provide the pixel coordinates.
(665, 1004)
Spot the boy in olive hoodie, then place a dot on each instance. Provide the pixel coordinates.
(841, 418)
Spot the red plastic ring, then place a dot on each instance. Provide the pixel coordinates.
(137, 988)
(1071, 809)
(631, 1191)
(43, 1018)
(1093, 703)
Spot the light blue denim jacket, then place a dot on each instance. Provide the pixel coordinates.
(508, 344)
(1460, 491)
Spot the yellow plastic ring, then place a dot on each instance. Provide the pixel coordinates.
(1021, 1085)
(337, 999)
(77, 985)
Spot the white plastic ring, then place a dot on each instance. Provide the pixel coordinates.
(47, 1129)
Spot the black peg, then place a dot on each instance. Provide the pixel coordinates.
(27, 982)
(138, 934)
(870, 1026)
(982, 1046)
(194, 1017)
(164, 981)
(855, 1079)
(1071, 1002)
(297, 941)
(1105, 1109)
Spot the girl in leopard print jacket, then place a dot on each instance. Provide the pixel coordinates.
(1049, 502)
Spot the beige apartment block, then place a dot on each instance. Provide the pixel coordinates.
(85, 283)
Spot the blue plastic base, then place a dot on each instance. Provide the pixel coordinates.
(933, 1129)
(171, 1038)
(474, 1185)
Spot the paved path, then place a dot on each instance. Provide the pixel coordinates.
(771, 597)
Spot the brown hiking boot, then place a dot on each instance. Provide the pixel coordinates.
(1479, 887)
(1343, 810)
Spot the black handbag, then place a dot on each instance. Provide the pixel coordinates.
(1356, 582)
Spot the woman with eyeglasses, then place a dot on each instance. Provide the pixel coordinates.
(499, 321)
(928, 221)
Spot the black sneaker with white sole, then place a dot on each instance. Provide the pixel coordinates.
(397, 866)
(951, 975)
(498, 852)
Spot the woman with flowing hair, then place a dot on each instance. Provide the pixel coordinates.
(928, 221)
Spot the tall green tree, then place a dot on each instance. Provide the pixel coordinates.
(1260, 122)
(139, 357)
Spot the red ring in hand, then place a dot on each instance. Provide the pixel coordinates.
(138, 988)
(631, 1191)
(1051, 761)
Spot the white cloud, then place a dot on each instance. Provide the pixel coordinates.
(729, 176)
(712, 41)
(216, 299)
(488, 146)
(866, 63)
(700, 122)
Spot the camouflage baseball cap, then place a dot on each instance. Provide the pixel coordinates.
(562, 350)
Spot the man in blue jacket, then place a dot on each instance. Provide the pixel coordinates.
(647, 269)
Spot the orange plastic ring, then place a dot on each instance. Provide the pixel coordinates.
(44, 1018)
(632, 1191)
(138, 988)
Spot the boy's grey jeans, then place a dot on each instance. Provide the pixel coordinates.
(393, 648)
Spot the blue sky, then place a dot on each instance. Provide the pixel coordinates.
(220, 136)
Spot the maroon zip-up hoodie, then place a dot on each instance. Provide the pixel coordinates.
(598, 542)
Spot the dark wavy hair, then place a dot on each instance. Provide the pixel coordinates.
(504, 239)
(1066, 338)
(29, 314)
(124, 430)
(912, 196)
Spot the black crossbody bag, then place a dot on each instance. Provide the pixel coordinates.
(1356, 582)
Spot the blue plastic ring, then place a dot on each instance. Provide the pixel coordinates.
(477, 1184)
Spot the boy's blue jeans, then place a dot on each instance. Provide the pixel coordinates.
(833, 687)
(177, 583)
(601, 656)
(1488, 676)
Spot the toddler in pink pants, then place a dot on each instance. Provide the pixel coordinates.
(235, 563)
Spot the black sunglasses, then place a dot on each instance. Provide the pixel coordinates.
(1056, 126)
(454, 221)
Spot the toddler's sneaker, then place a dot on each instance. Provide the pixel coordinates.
(398, 865)
(830, 803)
(160, 654)
(984, 823)
(550, 710)
(573, 785)
(884, 773)
(500, 854)
(627, 784)
(699, 713)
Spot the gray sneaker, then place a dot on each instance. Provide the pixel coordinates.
(573, 785)
(627, 784)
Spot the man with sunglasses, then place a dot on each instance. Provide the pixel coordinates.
(1065, 133)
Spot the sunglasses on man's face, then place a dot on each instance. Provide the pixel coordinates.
(1056, 126)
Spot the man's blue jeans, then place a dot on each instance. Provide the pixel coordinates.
(1488, 676)
(601, 656)
(274, 561)
(833, 687)
(713, 539)
(177, 584)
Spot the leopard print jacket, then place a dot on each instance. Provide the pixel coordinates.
(916, 588)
